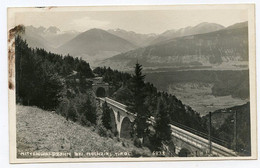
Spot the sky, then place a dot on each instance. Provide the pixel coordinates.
(139, 21)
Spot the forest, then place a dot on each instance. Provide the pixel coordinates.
(227, 82)
(63, 84)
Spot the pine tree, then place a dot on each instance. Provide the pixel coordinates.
(138, 106)
(24, 63)
(162, 125)
(106, 119)
(90, 112)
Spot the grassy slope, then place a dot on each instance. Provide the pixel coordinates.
(44, 131)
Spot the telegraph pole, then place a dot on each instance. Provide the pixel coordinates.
(235, 131)
(210, 143)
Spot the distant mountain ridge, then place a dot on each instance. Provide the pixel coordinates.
(185, 46)
(238, 25)
(47, 38)
(135, 38)
(214, 48)
(203, 27)
(34, 38)
(142, 40)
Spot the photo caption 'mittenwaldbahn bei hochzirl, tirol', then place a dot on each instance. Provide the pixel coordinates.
(117, 93)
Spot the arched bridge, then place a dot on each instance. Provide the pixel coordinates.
(122, 118)
(184, 141)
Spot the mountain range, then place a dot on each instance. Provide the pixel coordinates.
(47, 38)
(203, 44)
(34, 37)
(228, 46)
(203, 27)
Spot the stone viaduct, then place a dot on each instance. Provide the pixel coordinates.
(185, 142)
(121, 117)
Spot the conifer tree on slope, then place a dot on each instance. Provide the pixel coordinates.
(90, 112)
(138, 107)
(106, 119)
(162, 125)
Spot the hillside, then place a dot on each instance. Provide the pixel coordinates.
(238, 25)
(223, 122)
(228, 47)
(45, 131)
(203, 27)
(219, 116)
(95, 44)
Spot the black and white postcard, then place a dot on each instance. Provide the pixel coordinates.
(132, 83)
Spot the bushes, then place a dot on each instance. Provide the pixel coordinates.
(102, 131)
(137, 142)
(81, 108)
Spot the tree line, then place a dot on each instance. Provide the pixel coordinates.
(55, 82)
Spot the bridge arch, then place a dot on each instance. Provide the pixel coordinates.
(184, 152)
(126, 128)
(101, 92)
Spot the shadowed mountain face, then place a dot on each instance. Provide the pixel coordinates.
(135, 38)
(95, 42)
(226, 46)
(47, 38)
(204, 27)
(238, 25)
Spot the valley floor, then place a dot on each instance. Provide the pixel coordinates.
(199, 96)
